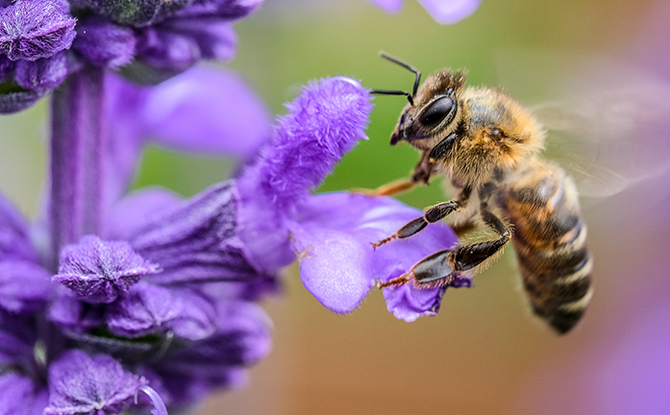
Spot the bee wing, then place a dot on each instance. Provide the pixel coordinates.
(607, 124)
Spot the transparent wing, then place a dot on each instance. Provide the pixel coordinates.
(607, 121)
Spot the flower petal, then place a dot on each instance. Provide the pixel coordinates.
(97, 271)
(17, 339)
(131, 213)
(450, 11)
(33, 29)
(44, 73)
(14, 240)
(24, 286)
(323, 123)
(389, 6)
(147, 308)
(229, 9)
(20, 396)
(79, 384)
(232, 119)
(241, 339)
(74, 315)
(339, 229)
(195, 241)
(103, 43)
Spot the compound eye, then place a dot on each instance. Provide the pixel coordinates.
(436, 112)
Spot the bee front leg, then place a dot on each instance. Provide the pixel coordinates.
(433, 214)
(421, 174)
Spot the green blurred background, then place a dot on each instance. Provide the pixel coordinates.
(484, 353)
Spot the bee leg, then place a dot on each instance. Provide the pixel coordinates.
(469, 256)
(440, 268)
(433, 214)
(421, 174)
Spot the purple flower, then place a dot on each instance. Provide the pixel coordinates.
(443, 11)
(149, 41)
(34, 29)
(79, 384)
(98, 271)
(331, 235)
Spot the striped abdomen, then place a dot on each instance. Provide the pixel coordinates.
(550, 244)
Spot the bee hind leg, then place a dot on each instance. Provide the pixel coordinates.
(469, 256)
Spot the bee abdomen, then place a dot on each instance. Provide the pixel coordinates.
(550, 244)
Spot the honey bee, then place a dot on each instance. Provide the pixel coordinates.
(488, 146)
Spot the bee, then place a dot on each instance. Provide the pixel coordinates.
(489, 148)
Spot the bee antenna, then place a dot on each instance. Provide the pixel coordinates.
(387, 92)
(407, 66)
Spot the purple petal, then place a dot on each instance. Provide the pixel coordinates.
(147, 308)
(20, 396)
(333, 237)
(143, 310)
(198, 317)
(17, 340)
(134, 211)
(450, 11)
(195, 242)
(77, 316)
(79, 384)
(229, 9)
(33, 29)
(242, 338)
(324, 122)
(97, 271)
(167, 50)
(14, 240)
(44, 73)
(18, 99)
(6, 68)
(389, 6)
(126, 130)
(103, 43)
(216, 38)
(24, 286)
(232, 119)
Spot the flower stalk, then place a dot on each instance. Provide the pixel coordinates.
(76, 164)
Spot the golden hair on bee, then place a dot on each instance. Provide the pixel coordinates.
(488, 147)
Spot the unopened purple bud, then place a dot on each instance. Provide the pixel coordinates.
(44, 73)
(97, 271)
(80, 384)
(104, 43)
(228, 9)
(15, 99)
(147, 309)
(34, 29)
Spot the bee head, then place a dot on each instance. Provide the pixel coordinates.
(435, 112)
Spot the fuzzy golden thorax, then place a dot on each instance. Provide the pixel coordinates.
(496, 138)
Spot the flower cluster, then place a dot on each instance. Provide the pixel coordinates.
(42, 41)
(112, 293)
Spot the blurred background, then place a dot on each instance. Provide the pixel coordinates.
(483, 353)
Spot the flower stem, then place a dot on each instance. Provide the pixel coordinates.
(76, 163)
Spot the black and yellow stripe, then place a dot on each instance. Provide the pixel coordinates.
(550, 244)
